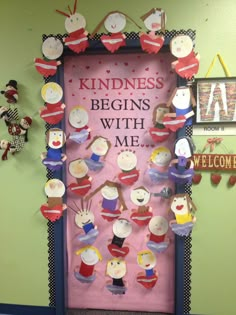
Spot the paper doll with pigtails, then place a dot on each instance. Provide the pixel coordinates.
(127, 162)
(182, 100)
(114, 22)
(79, 170)
(159, 161)
(78, 118)
(140, 197)
(100, 147)
(75, 23)
(147, 261)
(84, 220)
(90, 256)
(159, 132)
(154, 20)
(112, 200)
(116, 269)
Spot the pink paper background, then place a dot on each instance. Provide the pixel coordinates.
(95, 295)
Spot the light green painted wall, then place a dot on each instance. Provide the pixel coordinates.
(23, 232)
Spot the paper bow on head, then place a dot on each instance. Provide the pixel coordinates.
(211, 142)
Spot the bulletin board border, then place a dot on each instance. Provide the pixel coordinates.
(57, 257)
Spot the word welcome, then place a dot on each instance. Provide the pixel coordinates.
(214, 161)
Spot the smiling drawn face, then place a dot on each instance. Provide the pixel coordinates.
(109, 192)
(90, 256)
(179, 204)
(127, 160)
(159, 113)
(182, 98)
(116, 268)
(84, 217)
(181, 46)
(161, 156)
(78, 117)
(52, 93)
(140, 196)
(55, 138)
(146, 259)
(182, 148)
(78, 168)
(52, 48)
(122, 228)
(158, 225)
(75, 22)
(155, 21)
(100, 146)
(115, 22)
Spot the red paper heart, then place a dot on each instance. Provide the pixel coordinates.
(215, 178)
(196, 178)
(142, 218)
(174, 124)
(113, 42)
(80, 189)
(52, 114)
(147, 281)
(108, 71)
(70, 80)
(52, 214)
(159, 135)
(116, 251)
(187, 69)
(129, 178)
(109, 215)
(151, 45)
(232, 180)
(87, 67)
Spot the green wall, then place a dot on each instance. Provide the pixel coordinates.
(23, 232)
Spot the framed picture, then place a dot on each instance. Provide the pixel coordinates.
(216, 99)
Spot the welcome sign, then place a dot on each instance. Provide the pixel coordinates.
(119, 93)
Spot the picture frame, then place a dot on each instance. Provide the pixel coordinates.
(216, 100)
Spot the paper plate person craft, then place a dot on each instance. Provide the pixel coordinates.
(182, 99)
(122, 228)
(84, 220)
(52, 49)
(116, 270)
(79, 170)
(159, 132)
(78, 118)
(154, 20)
(140, 196)
(160, 159)
(113, 201)
(181, 46)
(11, 92)
(158, 228)
(53, 112)
(181, 170)
(127, 162)
(90, 256)
(147, 261)
(54, 158)
(53, 209)
(75, 24)
(100, 147)
(114, 22)
(183, 208)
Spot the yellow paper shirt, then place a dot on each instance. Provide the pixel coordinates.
(183, 218)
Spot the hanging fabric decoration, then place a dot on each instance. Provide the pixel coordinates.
(53, 209)
(100, 147)
(112, 194)
(7, 147)
(183, 208)
(75, 24)
(114, 22)
(78, 118)
(122, 228)
(181, 46)
(53, 159)
(53, 112)
(181, 170)
(116, 270)
(140, 196)
(160, 158)
(84, 220)
(159, 132)
(10, 92)
(158, 241)
(90, 256)
(182, 99)
(147, 261)
(127, 162)
(154, 20)
(79, 169)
